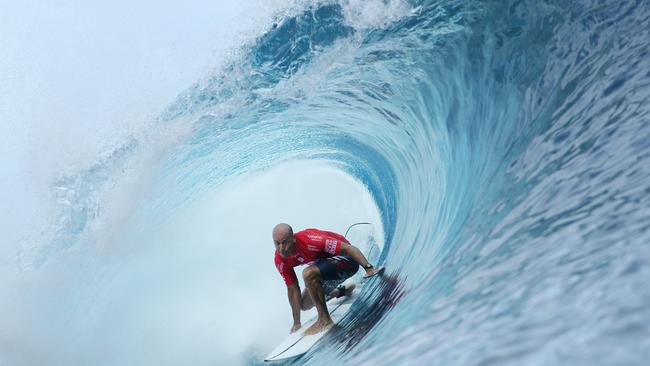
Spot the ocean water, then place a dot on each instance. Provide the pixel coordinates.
(500, 148)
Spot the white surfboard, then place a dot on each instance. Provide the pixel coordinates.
(297, 343)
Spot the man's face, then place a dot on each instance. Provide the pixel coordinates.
(284, 244)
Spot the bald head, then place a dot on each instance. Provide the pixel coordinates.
(282, 231)
(283, 239)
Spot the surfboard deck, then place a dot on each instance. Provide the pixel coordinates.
(297, 343)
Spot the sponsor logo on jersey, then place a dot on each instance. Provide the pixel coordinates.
(314, 237)
(301, 259)
(313, 248)
(330, 246)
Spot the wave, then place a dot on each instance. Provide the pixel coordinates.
(504, 143)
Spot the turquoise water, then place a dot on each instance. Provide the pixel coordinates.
(506, 145)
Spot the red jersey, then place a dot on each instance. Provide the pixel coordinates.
(311, 244)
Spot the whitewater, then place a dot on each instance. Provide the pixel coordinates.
(501, 150)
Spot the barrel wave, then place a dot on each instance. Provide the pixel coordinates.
(506, 145)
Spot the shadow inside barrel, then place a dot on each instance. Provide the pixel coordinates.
(372, 306)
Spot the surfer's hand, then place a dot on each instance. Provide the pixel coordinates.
(295, 327)
(372, 272)
(369, 273)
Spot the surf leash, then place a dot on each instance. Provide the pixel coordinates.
(353, 225)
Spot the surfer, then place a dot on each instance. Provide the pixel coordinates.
(330, 260)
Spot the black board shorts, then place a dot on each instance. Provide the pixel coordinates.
(335, 270)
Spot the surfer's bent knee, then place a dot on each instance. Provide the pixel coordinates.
(310, 273)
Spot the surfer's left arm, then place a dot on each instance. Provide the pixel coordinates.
(354, 252)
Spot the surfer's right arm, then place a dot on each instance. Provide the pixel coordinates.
(293, 292)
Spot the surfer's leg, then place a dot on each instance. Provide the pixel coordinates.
(305, 300)
(334, 271)
(312, 278)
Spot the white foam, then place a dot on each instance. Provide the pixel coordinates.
(364, 14)
(91, 77)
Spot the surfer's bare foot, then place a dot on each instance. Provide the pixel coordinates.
(319, 326)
